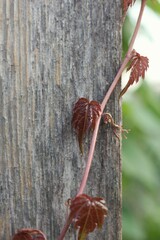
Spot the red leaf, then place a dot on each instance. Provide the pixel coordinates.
(29, 234)
(127, 4)
(87, 213)
(85, 115)
(138, 66)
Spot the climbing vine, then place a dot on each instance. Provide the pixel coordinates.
(88, 213)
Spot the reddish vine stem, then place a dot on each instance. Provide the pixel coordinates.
(103, 104)
(65, 228)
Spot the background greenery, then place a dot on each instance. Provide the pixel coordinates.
(141, 156)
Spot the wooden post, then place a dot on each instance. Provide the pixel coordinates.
(51, 53)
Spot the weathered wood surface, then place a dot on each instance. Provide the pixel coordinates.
(51, 53)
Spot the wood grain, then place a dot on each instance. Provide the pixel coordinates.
(51, 53)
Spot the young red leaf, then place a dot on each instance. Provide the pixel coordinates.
(87, 213)
(127, 4)
(85, 115)
(138, 66)
(29, 234)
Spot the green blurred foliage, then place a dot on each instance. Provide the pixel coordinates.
(141, 165)
(141, 156)
(154, 5)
